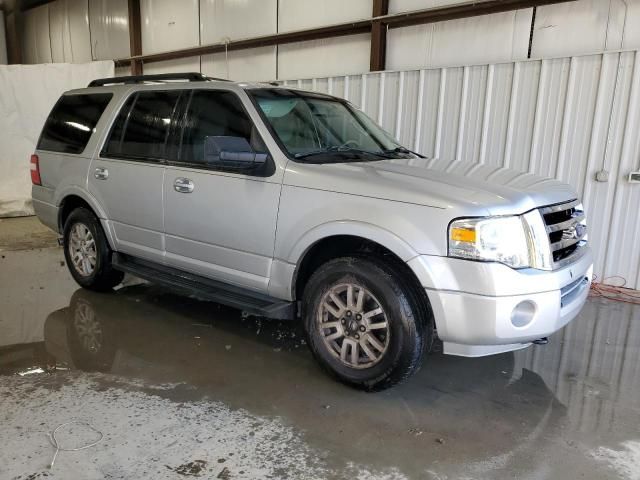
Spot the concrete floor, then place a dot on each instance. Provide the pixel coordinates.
(181, 387)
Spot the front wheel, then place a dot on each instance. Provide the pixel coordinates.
(87, 252)
(364, 322)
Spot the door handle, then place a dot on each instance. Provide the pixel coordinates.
(183, 185)
(101, 173)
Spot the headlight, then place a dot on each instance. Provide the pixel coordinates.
(498, 239)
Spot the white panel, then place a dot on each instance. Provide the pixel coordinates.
(342, 55)
(69, 31)
(565, 118)
(36, 46)
(570, 28)
(222, 20)
(302, 14)
(167, 26)
(3, 41)
(78, 11)
(396, 6)
(408, 47)
(109, 23)
(28, 94)
(256, 64)
(631, 20)
(489, 38)
(191, 64)
(122, 71)
(59, 32)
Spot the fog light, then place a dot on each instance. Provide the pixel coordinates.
(523, 314)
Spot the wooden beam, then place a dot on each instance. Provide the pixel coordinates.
(419, 17)
(352, 28)
(379, 36)
(135, 36)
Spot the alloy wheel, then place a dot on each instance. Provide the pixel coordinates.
(353, 325)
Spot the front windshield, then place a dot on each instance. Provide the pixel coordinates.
(316, 125)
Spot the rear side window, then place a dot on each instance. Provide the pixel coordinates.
(115, 138)
(72, 122)
(142, 126)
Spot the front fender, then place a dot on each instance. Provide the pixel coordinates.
(352, 228)
(285, 267)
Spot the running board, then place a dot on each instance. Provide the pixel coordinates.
(243, 299)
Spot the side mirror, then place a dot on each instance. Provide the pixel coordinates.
(231, 152)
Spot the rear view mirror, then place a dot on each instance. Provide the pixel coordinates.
(231, 152)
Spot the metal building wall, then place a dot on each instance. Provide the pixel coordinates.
(563, 117)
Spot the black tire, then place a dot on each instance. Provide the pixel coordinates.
(407, 318)
(102, 277)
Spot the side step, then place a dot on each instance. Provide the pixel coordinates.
(237, 297)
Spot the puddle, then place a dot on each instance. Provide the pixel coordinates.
(539, 409)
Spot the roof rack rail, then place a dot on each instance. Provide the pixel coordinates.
(160, 77)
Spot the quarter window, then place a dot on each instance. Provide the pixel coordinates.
(72, 122)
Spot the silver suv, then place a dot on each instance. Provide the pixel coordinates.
(293, 204)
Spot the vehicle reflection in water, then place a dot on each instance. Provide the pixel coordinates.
(593, 367)
(509, 404)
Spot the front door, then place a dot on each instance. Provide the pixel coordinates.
(220, 222)
(127, 177)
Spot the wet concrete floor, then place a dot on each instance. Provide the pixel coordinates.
(186, 388)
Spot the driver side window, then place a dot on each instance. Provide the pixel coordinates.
(213, 113)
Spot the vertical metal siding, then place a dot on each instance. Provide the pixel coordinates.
(563, 117)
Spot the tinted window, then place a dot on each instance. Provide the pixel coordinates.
(215, 113)
(141, 130)
(72, 121)
(113, 145)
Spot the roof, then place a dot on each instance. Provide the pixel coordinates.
(174, 80)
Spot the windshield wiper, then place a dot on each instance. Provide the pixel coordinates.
(343, 150)
(404, 150)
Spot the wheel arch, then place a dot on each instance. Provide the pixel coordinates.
(77, 198)
(342, 239)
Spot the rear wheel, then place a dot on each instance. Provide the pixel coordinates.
(87, 252)
(364, 322)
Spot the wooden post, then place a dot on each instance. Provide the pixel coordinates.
(379, 37)
(135, 36)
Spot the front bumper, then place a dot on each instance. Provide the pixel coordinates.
(482, 309)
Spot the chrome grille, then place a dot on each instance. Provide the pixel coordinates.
(567, 230)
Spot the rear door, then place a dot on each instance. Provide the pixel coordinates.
(220, 222)
(127, 176)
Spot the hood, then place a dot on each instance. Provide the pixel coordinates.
(471, 189)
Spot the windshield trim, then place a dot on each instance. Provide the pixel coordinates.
(302, 94)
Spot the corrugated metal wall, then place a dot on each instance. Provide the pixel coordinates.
(564, 117)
